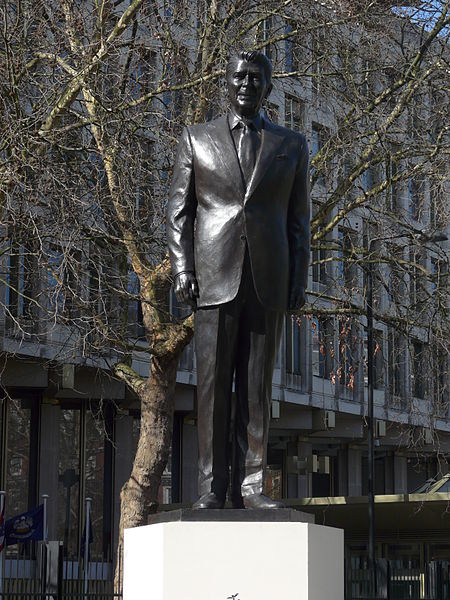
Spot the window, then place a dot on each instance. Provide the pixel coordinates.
(346, 264)
(21, 280)
(418, 365)
(319, 255)
(293, 113)
(347, 348)
(368, 84)
(396, 282)
(21, 460)
(272, 111)
(415, 278)
(85, 471)
(145, 72)
(98, 481)
(69, 478)
(372, 250)
(438, 273)
(439, 380)
(267, 26)
(377, 360)
(369, 179)
(438, 196)
(293, 346)
(317, 142)
(289, 50)
(415, 198)
(396, 364)
(392, 193)
(319, 50)
(322, 347)
(64, 272)
(135, 316)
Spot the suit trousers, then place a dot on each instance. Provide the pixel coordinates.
(239, 338)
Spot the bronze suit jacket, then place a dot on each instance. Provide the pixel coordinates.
(211, 215)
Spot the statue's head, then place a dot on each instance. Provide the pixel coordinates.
(249, 81)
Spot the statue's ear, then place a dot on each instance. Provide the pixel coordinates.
(269, 89)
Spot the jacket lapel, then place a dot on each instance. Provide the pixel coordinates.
(271, 139)
(222, 143)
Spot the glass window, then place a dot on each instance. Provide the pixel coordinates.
(415, 197)
(347, 274)
(135, 316)
(22, 424)
(445, 487)
(347, 348)
(18, 456)
(378, 360)
(293, 113)
(94, 475)
(289, 54)
(319, 254)
(322, 347)
(293, 343)
(396, 364)
(418, 369)
(21, 279)
(69, 480)
(317, 141)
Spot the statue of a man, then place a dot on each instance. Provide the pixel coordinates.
(238, 233)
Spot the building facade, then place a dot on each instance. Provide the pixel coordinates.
(70, 430)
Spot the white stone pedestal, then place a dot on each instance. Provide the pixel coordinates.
(240, 560)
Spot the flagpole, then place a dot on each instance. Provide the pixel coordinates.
(2, 513)
(44, 500)
(86, 547)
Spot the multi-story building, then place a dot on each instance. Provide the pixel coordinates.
(70, 431)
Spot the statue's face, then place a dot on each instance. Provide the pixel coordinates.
(247, 88)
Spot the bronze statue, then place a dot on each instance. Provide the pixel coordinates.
(238, 233)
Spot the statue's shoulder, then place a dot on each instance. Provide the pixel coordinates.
(201, 128)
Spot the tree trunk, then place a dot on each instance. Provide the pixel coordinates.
(139, 495)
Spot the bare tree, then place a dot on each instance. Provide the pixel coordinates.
(94, 96)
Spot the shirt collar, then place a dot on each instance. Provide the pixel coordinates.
(234, 121)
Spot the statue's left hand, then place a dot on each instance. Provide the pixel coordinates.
(297, 298)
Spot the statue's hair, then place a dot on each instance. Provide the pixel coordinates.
(253, 56)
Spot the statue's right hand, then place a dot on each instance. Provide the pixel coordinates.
(186, 289)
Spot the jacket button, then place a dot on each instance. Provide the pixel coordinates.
(243, 237)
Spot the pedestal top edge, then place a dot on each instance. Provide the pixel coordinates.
(282, 515)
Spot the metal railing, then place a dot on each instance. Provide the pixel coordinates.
(430, 583)
(57, 578)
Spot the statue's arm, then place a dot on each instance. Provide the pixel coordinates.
(180, 219)
(299, 230)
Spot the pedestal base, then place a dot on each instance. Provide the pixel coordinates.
(235, 559)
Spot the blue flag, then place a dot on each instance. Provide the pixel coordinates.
(26, 527)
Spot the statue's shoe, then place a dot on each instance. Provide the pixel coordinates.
(261, 501)
(209, 500)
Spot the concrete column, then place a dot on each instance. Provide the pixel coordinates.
(354, 475)
(342, 473)
(389, 475)
(400, 474)
(123, 463)
(49, 463)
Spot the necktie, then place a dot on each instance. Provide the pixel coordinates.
(247, 147)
